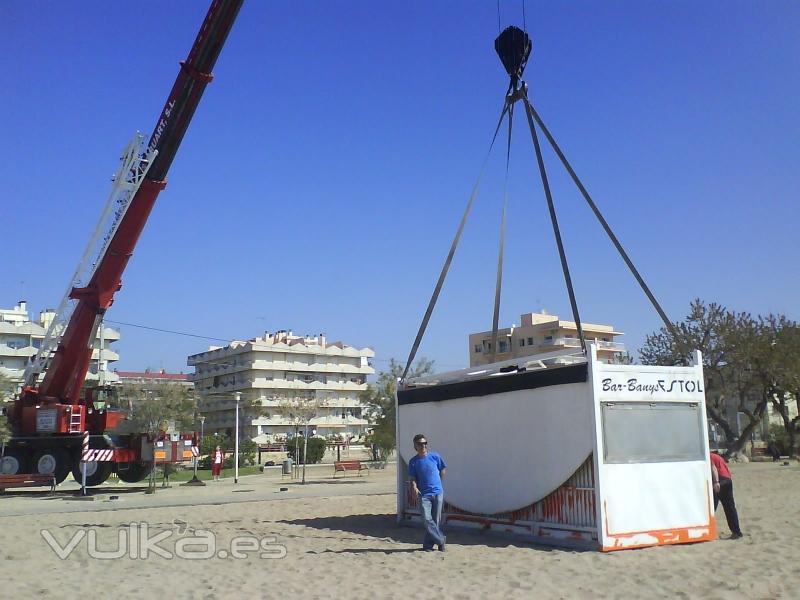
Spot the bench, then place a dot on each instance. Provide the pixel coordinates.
(349, 465)
(763, 454)
(272, 447)
(18, 481)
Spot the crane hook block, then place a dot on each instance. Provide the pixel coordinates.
(513, 46)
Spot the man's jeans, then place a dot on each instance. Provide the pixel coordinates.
(432, 516)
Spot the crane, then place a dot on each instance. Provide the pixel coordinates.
(53, 410)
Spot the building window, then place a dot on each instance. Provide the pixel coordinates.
(503, 346)
(477, 348)
(530, 341)
(548, 338)
(521, 342)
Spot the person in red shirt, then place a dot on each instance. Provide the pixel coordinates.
(723, 490)
(217, 460)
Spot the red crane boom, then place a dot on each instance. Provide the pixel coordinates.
(55, 429)
(67, 370)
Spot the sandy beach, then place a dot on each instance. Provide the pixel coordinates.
(338, 539)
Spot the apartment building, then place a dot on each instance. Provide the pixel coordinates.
(274, 371)
(539, 333)
(21, 338)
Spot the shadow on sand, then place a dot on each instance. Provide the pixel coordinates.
(337, 481)
(46, 494)
(384, 527)
(367, 551)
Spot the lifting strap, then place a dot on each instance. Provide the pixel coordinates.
(519, 92)
(499, 281)
(435, 296)
(554, 219)
(598, 214)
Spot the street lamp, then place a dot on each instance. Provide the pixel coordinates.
(195, 480)
(238, 396)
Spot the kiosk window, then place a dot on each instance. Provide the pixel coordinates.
(635, 432)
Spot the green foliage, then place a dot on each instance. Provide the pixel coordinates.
(247, 451)
(379, 400)
(171, 469)
(153, 408)
(227, 462)
(209, 443)
(6, 388)
(748, 362)
(778, 433)
(6, 392)
(316, 449)
(5, 430)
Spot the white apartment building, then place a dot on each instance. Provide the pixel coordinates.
(540, 332)
(275, 370)
(20, 339)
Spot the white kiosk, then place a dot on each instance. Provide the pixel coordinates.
(566, 451)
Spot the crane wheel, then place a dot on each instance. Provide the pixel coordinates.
(133, 472)
(51, 461)
(96, 472)
(15, 461)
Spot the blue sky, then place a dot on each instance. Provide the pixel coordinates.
(323, 176)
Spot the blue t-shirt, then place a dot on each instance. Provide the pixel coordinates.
(425, 470)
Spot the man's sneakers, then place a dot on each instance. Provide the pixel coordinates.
(440, 547)
(734, 536)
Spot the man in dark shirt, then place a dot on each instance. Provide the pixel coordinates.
(722, 481)
(425, 471)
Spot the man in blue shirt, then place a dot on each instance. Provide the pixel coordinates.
(425, 471)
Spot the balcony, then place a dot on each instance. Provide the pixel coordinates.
(333, 386)
(25, 351)
(569, 342)
(322, 421)
(335, 420)
(316, 367)
(332, 403)
(616, 346)
(108, 355)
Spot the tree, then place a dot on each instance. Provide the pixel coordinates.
(315, 447)
(156, 408)
(300, 409)
(379, 399)
(740, 363)
(6, 391)
(784, 376)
